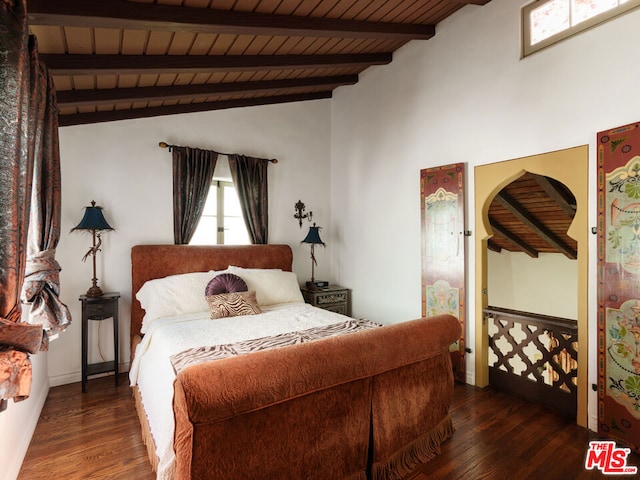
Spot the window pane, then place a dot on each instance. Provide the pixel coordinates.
(205, 233)
(232, 223)
(549, 19)
(582, 10)
(210, 205)
(231, 203)
(235, 232)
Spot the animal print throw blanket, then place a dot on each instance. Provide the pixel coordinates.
(198, 355)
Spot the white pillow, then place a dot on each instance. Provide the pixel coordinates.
(173, 295)
(272, 286)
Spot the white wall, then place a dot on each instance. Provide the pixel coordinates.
(19, 420)
(547, 285)
(464, 96)
(121, 167)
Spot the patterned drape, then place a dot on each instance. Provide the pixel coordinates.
(28, 147)
(192, 173)
(42, 281)
(15, 174)
(250, 179)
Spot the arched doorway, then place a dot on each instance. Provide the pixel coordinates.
(570, 167)
(532, 274)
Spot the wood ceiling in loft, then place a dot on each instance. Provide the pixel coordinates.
(532, 215)
(123, 59)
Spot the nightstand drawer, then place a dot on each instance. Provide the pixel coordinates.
(99, 311)
(333, 298)
(325, 299)
(337, 308)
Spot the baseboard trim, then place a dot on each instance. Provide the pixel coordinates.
(20, 443)
(75, 377)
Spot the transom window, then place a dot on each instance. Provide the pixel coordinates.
(221, 222)
(545, 22)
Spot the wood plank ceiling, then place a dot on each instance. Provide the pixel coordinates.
(532, 215)
(123, 59)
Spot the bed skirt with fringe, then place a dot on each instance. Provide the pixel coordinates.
(147, 438)
(419, 451)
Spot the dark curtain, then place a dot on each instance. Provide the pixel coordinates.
(192, 175)
(28, 132)
(250, 179)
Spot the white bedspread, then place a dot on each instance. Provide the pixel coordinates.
(152, 372)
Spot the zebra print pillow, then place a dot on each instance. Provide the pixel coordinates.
(233, 304)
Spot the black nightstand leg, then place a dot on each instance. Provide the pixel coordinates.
(115, 345)
(85, 334)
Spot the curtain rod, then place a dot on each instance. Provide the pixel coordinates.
(166, 145)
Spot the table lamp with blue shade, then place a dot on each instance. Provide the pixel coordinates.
(313, 238)
(93, 221)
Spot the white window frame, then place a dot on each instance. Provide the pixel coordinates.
(220, 217)
(528, 49)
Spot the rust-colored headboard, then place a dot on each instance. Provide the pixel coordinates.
(149, 262)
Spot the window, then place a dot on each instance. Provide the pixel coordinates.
(221, 222)
(546, 22)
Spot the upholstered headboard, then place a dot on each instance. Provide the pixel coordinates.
(149, 262)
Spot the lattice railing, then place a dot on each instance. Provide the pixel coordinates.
(535, 356)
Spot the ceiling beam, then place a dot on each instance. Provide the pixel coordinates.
(491, 245)
(150, 16)
(61, 64)
(564, 201)
(113, 115)
(78, 98)
(472, 2)
(514, 239)
(508, 202)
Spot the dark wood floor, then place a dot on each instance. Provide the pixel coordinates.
(499, 436)
(93, 435)
(96, 435)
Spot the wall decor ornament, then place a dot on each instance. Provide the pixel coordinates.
(299, 215)
(619, 284)
(443, 250)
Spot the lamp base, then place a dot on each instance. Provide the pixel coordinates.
(94, 291)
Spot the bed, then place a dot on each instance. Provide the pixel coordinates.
(304, 393)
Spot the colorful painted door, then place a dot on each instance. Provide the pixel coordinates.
(443, 250)
(619, 284)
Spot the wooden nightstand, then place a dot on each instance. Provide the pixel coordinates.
(98, 309)
(333, 298)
